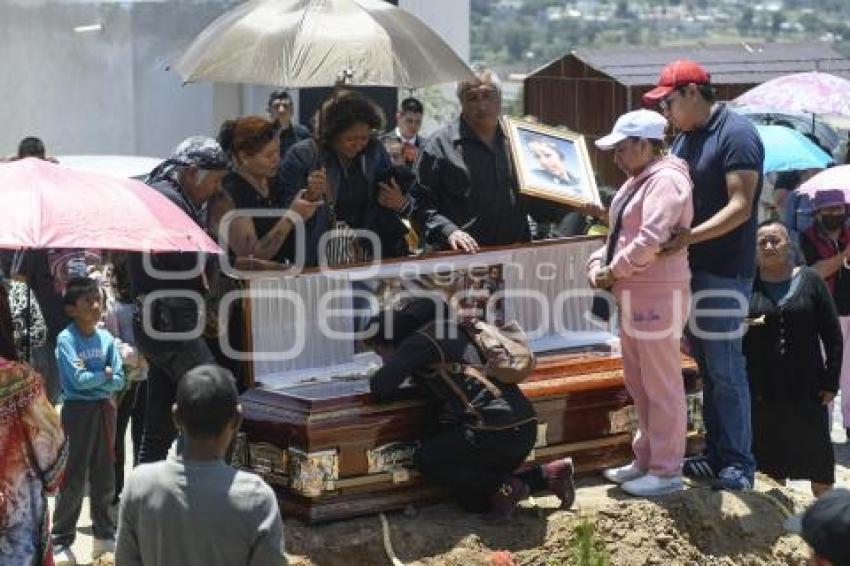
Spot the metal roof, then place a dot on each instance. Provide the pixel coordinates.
(741, 63)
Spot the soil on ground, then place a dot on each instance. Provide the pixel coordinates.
(698, 527)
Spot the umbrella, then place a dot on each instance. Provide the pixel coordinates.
(832, 179)
(814, 93)
(786, 149)
(311, 43)
(804, 123)
(52, 206)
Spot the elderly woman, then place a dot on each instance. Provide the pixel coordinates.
(348, 169)
(254, 149)
(653, 293)
(791, 380)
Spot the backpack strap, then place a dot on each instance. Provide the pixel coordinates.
(442, 370)
(445, 368)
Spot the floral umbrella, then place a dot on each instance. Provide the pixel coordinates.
(813, 93)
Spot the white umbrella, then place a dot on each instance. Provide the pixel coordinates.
(311, 43)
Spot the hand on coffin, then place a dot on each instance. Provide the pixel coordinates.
(460, 240)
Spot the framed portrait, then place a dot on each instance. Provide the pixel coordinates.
(552, 163)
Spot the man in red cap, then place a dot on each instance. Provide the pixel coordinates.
(725, 156)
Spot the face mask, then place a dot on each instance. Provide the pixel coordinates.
(832, 222)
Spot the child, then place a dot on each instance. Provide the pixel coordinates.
(90, 371)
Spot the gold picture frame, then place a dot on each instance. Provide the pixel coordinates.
(552, 163)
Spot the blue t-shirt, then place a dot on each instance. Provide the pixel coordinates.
(81, 361)
(727, 142)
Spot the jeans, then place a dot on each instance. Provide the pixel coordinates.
(167, 365)
(726, 391)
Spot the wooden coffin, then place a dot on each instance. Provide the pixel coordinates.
(331, 452)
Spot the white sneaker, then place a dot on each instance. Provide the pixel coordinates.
(651, 485)
(623, 473)
(101, 546)
(64, 556)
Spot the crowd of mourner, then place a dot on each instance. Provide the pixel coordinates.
(683, 243)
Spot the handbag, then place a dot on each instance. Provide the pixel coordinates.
(601, 306)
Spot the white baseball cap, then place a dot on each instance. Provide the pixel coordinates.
(639, 124)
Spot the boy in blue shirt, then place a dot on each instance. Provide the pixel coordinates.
(90, 372)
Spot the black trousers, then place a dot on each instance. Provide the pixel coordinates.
(475, 463)
(88, 426)
(131, 412)
(166, 365)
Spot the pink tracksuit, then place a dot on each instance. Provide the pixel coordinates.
(653, 297)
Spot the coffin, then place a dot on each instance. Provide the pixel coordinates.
(311, 429)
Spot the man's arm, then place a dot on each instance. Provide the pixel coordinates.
(413, 353)
(741, 188)
(435, 226)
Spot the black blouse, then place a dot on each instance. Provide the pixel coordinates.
(783, 350)
(245, 196)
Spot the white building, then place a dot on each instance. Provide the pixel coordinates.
(92, 76)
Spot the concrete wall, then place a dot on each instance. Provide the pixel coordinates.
(109, 91)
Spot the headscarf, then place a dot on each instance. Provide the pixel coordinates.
(200, 151)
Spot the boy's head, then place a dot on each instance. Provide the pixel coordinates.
(31, 147)
(207, 405)
(409, 117)
(83, 301)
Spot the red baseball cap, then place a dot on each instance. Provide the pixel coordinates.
(678, 73)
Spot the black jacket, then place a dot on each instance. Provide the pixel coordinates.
(784, 360)
(412, 359)
(374, 164)
(464, 184)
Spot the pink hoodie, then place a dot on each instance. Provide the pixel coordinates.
(664, 201)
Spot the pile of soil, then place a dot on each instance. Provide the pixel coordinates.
(695, 527)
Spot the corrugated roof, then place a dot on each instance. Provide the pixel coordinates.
(728, 64)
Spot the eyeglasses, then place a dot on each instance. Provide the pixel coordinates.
(667, 102)
(282, 104)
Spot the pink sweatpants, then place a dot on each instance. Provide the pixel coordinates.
(652, 316)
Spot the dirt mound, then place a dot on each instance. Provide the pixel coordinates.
(696, 527)
(702, 527)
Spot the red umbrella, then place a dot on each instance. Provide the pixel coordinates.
(51, 206)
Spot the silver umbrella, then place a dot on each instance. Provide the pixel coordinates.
(311, 43)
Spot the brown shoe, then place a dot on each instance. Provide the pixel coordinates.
(559, 480)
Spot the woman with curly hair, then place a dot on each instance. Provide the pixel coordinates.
(348, 169)
(34, 452)
(254, 149)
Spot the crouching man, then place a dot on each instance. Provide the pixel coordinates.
(486, 428)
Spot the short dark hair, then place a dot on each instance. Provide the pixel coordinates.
(394, 325)
(342, 111)
(279, 94)
(413, 105)
(31, 147)
(77, 288)
(206, 400)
